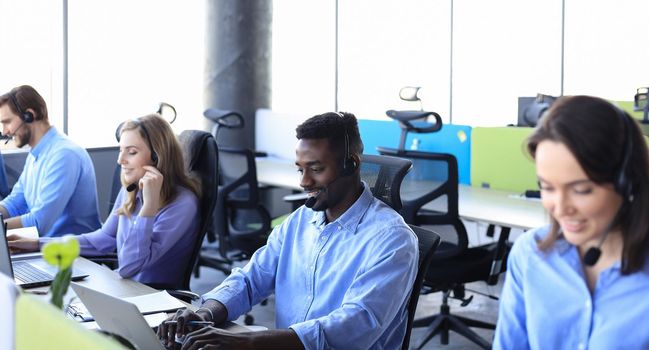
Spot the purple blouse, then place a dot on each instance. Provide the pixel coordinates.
(153, 250)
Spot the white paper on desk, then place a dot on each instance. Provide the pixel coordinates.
(156, 302)
(25, 232)
(147, 304)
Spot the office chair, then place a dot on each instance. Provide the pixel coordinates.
(241, 222)
(201, 156)
(435, 179)
(384, 176)
(428, 243)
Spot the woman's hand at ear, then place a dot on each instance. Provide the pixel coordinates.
(150, 185)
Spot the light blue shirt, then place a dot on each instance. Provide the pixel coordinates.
(57, 190)
(546, 303)
(342, 285)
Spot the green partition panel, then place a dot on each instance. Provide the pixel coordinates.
(628, 107)
(39, 325)
(499, 159)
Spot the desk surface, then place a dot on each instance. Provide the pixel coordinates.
(110, 282)
(106, 281)
(501, 208)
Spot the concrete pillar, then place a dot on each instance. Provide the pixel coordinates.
(238, 63)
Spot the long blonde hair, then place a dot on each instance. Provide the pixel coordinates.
(158, 135)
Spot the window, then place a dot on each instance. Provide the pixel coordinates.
(127, 56)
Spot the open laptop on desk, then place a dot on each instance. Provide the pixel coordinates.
(118, 316)
(30, 270)
(124, 318)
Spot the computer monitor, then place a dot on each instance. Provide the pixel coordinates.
(531, 109)
(640, 103)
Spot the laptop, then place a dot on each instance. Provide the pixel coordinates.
(118, 316)
(29, 270)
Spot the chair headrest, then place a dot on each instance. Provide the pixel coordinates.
(193, 142)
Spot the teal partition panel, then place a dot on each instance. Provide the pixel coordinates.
(453, 139)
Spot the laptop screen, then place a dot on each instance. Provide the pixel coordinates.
(5, 255)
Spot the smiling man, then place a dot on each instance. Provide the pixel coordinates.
(57, 190)
(341, 266)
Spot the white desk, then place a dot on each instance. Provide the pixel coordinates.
(110, 282)
(475, 204)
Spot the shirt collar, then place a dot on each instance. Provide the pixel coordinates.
(44, 142)
(352, 216)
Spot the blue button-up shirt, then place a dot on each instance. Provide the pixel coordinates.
(342, 285)
(57, 190)
(546, 303)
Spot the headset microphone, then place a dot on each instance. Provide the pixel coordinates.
(310, 202)
(131, 187)
(593, 253)
(14, 133)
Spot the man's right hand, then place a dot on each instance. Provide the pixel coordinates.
(19, 244)
(177, 328)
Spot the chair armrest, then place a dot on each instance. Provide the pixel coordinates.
(184, 295)
(109, 260)
(498, 264)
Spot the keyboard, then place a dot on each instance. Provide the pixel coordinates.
(27, 273)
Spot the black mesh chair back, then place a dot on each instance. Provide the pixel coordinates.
(241, 222)
(428, 243)
(201, 157)
(434, 178)
(384, 174)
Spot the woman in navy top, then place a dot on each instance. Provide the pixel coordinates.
(582, 282)
(154, 222)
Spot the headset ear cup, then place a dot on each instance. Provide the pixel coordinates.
(118, 131)
(349, 167)
(28, 117)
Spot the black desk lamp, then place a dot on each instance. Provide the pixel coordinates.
(640, 103)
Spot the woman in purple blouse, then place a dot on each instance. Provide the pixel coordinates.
(154, 222)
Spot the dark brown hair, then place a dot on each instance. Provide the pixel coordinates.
(606, 146)
(28, 98)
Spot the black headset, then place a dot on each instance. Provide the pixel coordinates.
(349, 164)
(26, 116)
(622, 184)
(139, 124)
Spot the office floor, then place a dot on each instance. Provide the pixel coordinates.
(481, 308)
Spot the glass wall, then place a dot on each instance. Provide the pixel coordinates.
(127, 56)
(32, 38)
(472, 58)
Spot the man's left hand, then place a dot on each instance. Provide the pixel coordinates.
(210, 338)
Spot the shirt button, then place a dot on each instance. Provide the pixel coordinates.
(587, 304)
(581, 346)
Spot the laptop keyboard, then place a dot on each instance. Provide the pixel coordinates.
(27, 273)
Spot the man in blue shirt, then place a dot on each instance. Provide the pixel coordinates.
(341, 266)
(57, 190)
